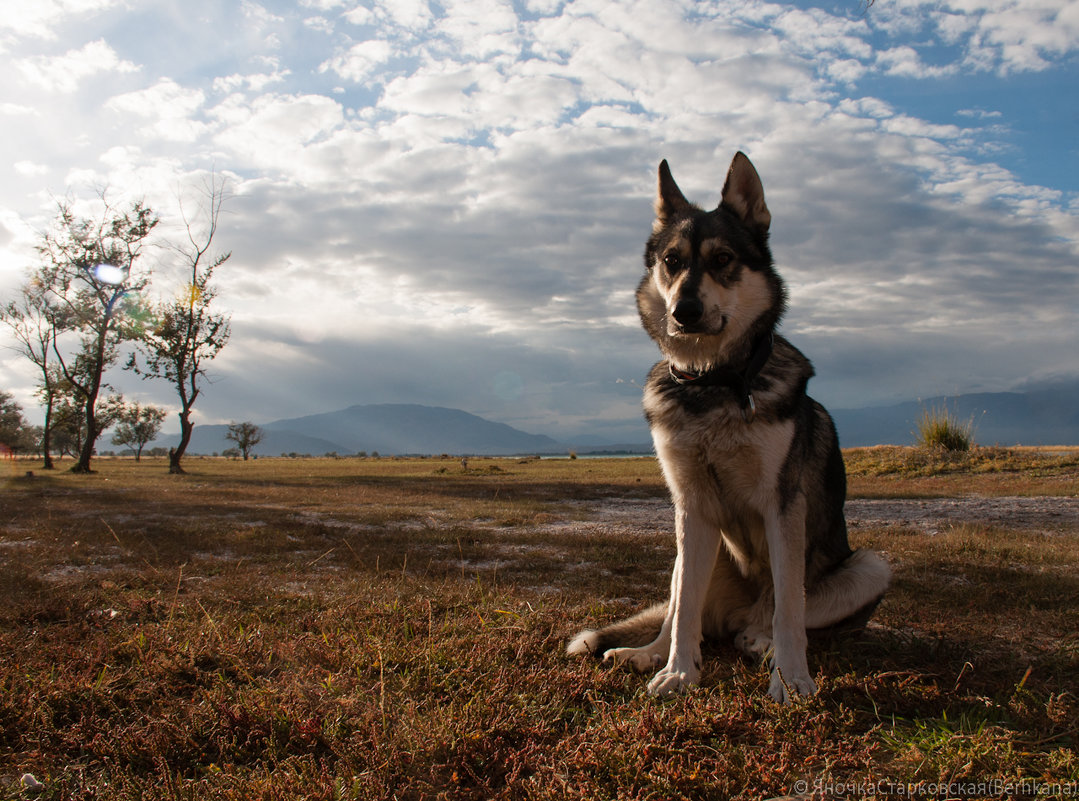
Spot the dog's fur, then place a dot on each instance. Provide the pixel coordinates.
(752, 462)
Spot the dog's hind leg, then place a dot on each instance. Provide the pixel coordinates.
(626, 643)
(847, 596)
(644, 640)
(842, 599)
(639, 640)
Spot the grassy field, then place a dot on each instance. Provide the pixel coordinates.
(379, 629)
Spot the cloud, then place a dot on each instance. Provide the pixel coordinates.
(64, 73)
(30, 168)
(447, 204)
(905, 62)
(167, 107)
(254, 82)
(360, 61)
(279, 132)
(40, 18)
(979, 114)
(1011, 36)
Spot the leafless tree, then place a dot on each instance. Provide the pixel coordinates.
(186, 334)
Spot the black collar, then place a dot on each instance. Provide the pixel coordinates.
(724, 376)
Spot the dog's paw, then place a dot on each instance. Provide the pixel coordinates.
(670, 681)
(785, 689)
(583, 644)
(754, 641)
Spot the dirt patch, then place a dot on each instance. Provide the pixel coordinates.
(926, 515)
(932, 515)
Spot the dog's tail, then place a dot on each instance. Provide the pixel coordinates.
(846, 597)
(633, 632)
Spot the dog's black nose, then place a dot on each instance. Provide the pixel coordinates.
(688, 311)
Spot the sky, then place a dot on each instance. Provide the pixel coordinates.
(445, 202)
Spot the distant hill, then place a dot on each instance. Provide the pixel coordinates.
(400, 428)
(211, 439)
(1047, 415)
(389, 429)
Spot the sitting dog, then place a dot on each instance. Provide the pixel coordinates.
(752, 462)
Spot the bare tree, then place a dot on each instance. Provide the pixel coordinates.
(137, 425)
(245, 435)
(185, 334)
(91, 291)
(30, 321)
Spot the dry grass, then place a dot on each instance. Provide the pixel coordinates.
(394, 629)
(890, 471)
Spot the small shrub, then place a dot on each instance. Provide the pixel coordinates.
(941, 428)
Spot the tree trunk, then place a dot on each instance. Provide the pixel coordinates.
(177, 453)
(97, 368)
(87, 450)
(46, 433)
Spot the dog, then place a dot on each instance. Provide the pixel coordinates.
(752, 463)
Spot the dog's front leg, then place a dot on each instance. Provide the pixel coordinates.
(698, 544)
(785, 533)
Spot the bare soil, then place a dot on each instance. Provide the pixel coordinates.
(924, 515)
(933, 515)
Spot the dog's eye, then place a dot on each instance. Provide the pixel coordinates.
(673, 261)
(723, 259)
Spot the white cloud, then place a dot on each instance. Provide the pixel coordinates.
(30, 168)
(814, 31)
(360, 15)
(258, 14)
(480, 28)
(64, 73)
(280, 132)
(360, 61)
(414, 15)
(321, 24)
(39, 18)
(1007, 36)
(905, 62)
(255, 82)
(479, 187)
(16, 110)
(168, 108)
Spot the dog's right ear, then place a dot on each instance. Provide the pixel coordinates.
(669, 198)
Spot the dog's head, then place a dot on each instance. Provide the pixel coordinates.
(710, 289)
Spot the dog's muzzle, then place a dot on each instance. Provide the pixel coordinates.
(688, 312)
(688, 317)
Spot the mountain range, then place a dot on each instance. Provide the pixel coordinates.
(385, 429)
(1047, 415)
(1044, 415)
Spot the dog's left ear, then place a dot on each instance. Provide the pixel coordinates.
(743, 194)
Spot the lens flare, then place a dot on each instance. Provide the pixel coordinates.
(108, 274)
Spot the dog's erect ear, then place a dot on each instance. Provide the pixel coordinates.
(744, 195)
(669, 198)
